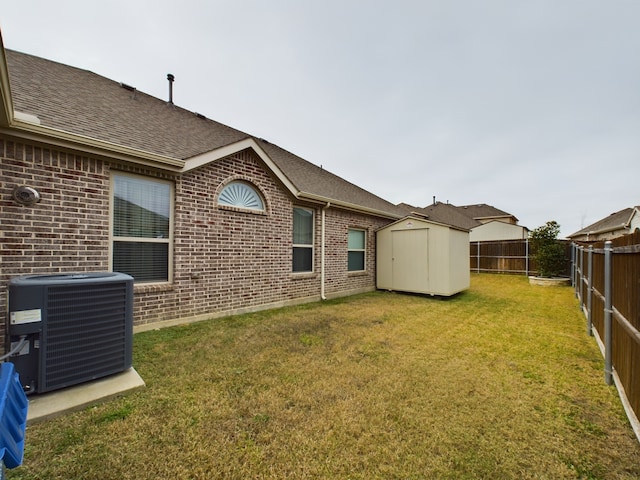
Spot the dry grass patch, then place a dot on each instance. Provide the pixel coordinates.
(498, 382)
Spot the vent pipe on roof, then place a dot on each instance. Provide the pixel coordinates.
(171, 78)
(434, 199)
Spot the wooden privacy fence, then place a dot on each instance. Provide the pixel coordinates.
(503, 256)
(606, 278)
(508, 256)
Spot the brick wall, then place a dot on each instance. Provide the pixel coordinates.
(337, 225)
(225, 259)
(66, 231)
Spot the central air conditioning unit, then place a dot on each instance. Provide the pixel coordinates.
(69, 328)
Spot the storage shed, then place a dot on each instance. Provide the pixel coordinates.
(419, 256)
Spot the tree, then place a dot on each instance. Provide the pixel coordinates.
(548, 252)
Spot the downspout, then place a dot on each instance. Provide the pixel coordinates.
(322, 246)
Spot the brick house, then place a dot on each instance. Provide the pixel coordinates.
(209, 220)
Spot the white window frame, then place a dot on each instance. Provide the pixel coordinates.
(304, 245)
(249, 187)
(169, 240)
(363, 250)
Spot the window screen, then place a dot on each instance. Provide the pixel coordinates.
(356, 250)
(302, 240)
(141, 227)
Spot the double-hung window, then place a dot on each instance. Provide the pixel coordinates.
(356, 246)
(141, 225)
(302, 240)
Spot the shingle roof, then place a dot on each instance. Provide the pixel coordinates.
(443, 213)
(482, 210)
(315, 180)
(84, 103)
(615, 221)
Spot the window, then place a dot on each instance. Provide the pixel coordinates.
(302, 240)
(356, 249)
(241, 195)
(141, 227)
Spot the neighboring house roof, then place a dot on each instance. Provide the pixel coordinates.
(482, 211)
(68, 105)
(614, 222)
(443, 213)
(467, 216)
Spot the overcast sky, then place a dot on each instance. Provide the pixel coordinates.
(530, 106)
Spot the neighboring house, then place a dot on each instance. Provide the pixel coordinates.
(494, 224)
(486, 213)
(207, 219)
(484, 222)
(442, 213)
(497, 230)
(615, 225)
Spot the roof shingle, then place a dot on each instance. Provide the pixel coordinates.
(84, 103)
(483, 211)
(443, 213)
(615, 221)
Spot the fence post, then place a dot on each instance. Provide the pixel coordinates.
(526, 254)
(583, 265)
(576, 269)
(590, 291)
(478, 257)
(580, 276)
(573, 265)
(608, 367)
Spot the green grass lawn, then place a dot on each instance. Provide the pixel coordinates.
(499, 382)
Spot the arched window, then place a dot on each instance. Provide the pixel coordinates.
(242, 195)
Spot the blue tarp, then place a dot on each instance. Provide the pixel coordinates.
(13, 416)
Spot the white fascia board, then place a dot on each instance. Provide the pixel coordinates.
(634, 212)
(612, 229)
(346, 205)
(222, 152)
(30, 130)
(6, 102)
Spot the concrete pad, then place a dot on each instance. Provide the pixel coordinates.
(49, 405)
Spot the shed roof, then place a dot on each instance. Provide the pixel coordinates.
(418, 218)
(56, 100)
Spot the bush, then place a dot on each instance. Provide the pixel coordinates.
(549, 253)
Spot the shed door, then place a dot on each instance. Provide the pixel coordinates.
(410, 257)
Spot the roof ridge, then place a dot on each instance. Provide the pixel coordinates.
(19, 52)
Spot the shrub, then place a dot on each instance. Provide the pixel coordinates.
(549, 253)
